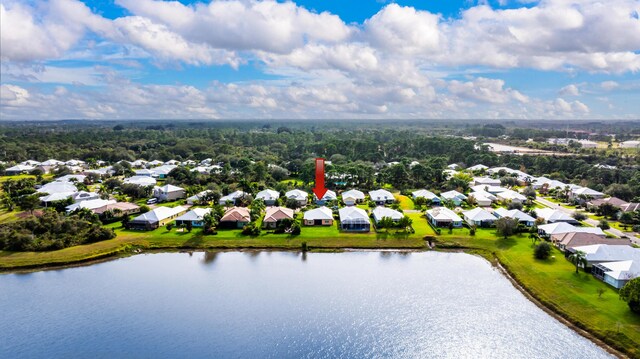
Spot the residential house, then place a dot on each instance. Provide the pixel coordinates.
(630, 207)
(142, 181)
(594, 204)
(354, 219)
(382, 197)
(614, 264)
(71, 178)
(443, 217)
(57, 187)
(352, 197)
(194, 216)
(630, 144)
(321, 216)
(566, 241)
(144, 172)
(169, 192)
(235, 217)
(18, 170)
(91, 204)
(551, 215)
(494, 190)
(482, 199)
(199, 197)
(162, 171)
(578, 192)
(32, 163)
(52, 163)
(269, 196)
(124, 208)
(486, 181)
(479, 217)
(510, 196)
(380, 212)
(454, 196)
(522, 217)
(232, 197)
(154, 163)
(299, 196)
(275, 215)
(478, 167)
(435, 200)
(548, 230)
(84, 196)
(156, 218)
(328, 196)
(55, 197)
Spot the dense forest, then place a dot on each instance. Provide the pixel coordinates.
(268, 153)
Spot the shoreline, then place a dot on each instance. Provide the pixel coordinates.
(549, 308)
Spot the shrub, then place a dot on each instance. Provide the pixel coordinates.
(579, 216)
(604, 224)
(542, 250)
(630, 293)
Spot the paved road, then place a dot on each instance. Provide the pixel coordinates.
(593, 222)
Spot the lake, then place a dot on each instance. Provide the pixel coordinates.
(279, 305)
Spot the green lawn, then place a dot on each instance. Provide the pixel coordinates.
(404, 201)
(555, 283)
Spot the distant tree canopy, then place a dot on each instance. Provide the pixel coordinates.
(51, 231)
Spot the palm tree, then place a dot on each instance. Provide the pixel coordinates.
(578, 258)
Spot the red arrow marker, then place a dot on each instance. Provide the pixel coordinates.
(319, 190)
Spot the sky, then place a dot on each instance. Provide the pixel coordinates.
(319, 59)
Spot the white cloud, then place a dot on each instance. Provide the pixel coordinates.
(570, 90)
(486, 90)
(609, 85)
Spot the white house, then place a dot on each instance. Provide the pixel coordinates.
(194, 216)
(321, 216)
(84, 196)
(381, 212)
(57, 187)
(483, 199)
(354, 219)
(144, 172)
(479, 217)
(169, 193)
(630, 144)
(52, 163)
(71, 178)
(142, 181)
(443, 217)
(382, 196)
(454, 196)
(478, 167)
(577, 192)
(232, 197)
(54, 197)
(515, 214)
(427, 195)
(156, 218)
(269, 196)
(18, 169)
(547, 230)
(510, 196)
(328, 196)
(488, 188)
(352, 197)
(486, 181)
(299, 196)
(163, 171)
(551, 215)
(197, 198)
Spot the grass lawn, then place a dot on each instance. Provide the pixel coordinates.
(555, 283)
(8, 216)
(404, 201)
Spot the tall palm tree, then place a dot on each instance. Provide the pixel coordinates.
(578, 258)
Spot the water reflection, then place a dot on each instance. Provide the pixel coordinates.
(279, 305)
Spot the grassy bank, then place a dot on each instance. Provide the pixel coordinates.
(555, 284)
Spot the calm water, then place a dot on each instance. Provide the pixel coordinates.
(279, 305)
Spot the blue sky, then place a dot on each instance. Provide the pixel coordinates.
(509, 59)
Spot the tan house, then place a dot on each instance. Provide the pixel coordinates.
(235, 217)
(565, 241)
(275, 215)
(125, 208)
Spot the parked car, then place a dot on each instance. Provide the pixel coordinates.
(152, 201)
